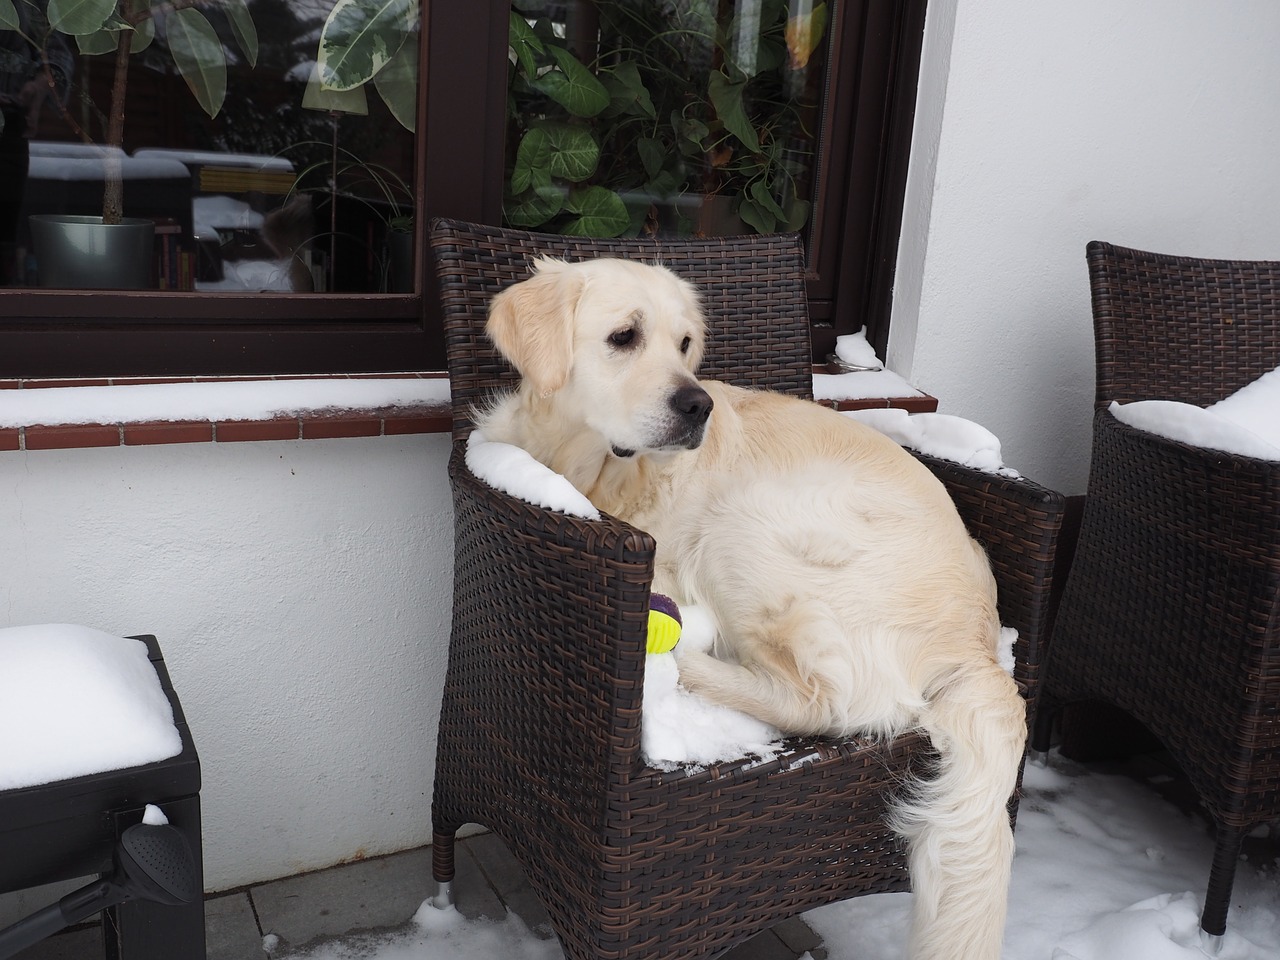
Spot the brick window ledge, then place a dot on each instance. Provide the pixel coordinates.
(330, 407)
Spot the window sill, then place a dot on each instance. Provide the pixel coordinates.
(94, 413)
(134, 412)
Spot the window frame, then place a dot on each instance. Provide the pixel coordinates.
(853, 236)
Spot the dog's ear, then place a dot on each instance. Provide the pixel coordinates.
(531, 324)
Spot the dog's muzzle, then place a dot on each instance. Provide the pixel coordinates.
(692, 407)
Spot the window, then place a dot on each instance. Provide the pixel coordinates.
(848, 119)
(275, 213)
(349, 311)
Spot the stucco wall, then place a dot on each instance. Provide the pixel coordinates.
(1149, 123)
(300, 591)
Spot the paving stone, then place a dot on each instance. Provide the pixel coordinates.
(230, 928)
(472, 894)
(366, 895)
(508, 879)
(801, 937)
(763, 946)
(79, 943)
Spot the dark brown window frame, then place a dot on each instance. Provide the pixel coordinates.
(461, 115)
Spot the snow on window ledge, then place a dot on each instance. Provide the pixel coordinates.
(65, 414)
(49, 414)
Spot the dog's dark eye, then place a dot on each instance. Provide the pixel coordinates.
(685, 344)
(623, 338)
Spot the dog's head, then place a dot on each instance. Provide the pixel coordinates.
(611, 344)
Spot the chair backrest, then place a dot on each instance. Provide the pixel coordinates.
(1181, 328)
(752, 288)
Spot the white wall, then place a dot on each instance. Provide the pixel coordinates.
(300, 591)
(1148, 123)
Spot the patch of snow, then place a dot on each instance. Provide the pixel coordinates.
(153, 816)
(513, 471)
(76, 701)
(854, 350)
(940, 435)
(1245, 423)
(216, 400)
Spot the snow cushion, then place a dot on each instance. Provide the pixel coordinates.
(1247, 423)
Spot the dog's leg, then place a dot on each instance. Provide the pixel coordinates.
(957, 822)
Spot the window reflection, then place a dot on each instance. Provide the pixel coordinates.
(687, 117)
(258, 170)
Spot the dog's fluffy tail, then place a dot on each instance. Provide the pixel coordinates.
(956, 822)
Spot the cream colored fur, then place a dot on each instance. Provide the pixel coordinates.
(847, 594)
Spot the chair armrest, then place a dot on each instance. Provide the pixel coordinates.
(1017, 521)
(547, 653)
(1196, 530)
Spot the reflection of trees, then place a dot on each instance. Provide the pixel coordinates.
(262, 112)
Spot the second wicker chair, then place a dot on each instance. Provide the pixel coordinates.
(1171, 611)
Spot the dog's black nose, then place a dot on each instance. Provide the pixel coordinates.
(692, 403)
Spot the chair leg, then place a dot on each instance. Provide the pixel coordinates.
(1217, 898)
(442, 868)
(1042, 729)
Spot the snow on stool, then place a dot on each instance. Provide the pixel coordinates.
(76, 701)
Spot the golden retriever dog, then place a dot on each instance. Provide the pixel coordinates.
(847, 595)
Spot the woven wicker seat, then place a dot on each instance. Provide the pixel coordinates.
(1171, 611)
(539, 734)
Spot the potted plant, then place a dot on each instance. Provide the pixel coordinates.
(654, 116)
(123, 28)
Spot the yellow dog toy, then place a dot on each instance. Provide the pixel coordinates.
(664, 624)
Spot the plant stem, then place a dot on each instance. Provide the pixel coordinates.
(113, 186)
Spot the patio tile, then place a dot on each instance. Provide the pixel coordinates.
(506, 877)
(369, 894)
(78, 943)
(800, 937)
(230, 928)
(472, 893)
(763, 946)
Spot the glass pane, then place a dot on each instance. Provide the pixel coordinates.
(252, 172)
(690, 118)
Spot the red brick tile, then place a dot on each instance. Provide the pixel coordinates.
(234, 431)
(78, 435)
(142, 381)
(419, 423)
(245, 379)
(200, 431)
(334, 427)
(10, 384)
(37, 384)
(925, 404)
(9, 439)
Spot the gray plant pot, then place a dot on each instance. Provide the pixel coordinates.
(74, 252)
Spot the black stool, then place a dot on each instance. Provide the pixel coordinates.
(71, 828)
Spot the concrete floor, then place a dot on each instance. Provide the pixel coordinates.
(382, 894)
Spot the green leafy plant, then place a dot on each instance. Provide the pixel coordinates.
(125, 27)
(664, 118)
(369, 40)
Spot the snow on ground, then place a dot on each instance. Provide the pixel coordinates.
(1105, 870)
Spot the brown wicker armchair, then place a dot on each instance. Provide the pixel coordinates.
(1171, 611)
(539, 734)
